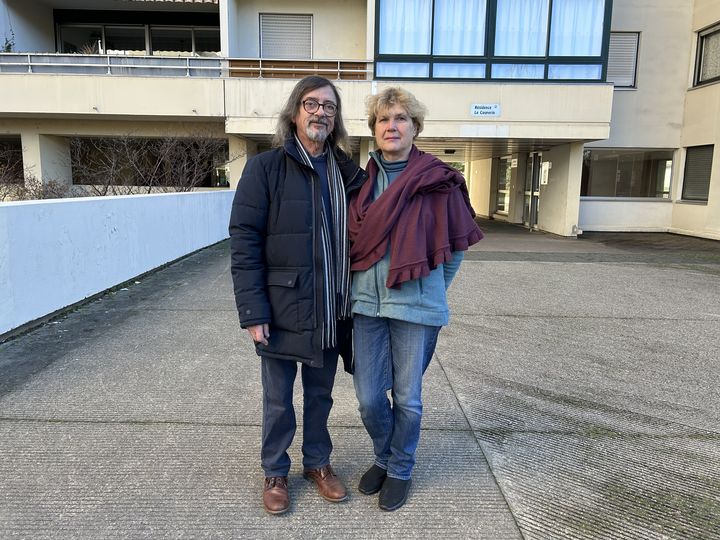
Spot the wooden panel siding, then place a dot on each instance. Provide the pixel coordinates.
(296, 69)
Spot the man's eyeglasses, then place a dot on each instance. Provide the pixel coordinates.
(312, 105)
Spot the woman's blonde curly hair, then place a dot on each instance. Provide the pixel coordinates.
(379, 103)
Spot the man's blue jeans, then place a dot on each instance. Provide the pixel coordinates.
(278, 377)
(392, 355)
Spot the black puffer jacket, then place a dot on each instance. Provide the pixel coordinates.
(275, 253)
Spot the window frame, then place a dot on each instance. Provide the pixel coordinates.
(489, 57)
(627, 151)
(683, 198)
(102, 19)
(637, 56)
(713, 29)
(311, 18)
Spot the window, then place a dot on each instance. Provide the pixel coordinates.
(698, 164)
(521, 27)
(131, 40)
(128, 40)
(577, 27)
(285, 36)
(708, 56)
(622, 58)
(207, 41)
(459, 27)
(171, 41)
(626, 173)
(81, 39)
(491, 39)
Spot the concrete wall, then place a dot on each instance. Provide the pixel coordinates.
(536, 111)
(479, 179)
(701, 125)
(648, 215)
(103, 96)
(560, 197)
(56, 253)
(339, 27)
(662, 113)
(651, 115)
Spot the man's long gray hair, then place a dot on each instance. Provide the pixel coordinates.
(286, 121)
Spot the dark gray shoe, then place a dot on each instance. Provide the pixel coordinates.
(393, 494)
(372, 480)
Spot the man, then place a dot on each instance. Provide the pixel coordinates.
(290, 268)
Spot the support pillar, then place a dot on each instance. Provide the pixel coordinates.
(241, 150)
(560, 196)
(479, 179)
(366, 146)
(46, 158)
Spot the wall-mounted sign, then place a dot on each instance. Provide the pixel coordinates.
(545, 172)
(485, 109)
(513, 163)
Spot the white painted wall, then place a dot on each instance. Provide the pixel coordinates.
(649, 215)
(32, 23)
(701, 126)
(651, 115)
(56, 253)
(339, 27)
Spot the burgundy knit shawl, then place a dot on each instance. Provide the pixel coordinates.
(425, 214)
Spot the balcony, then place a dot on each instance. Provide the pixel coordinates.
(191, 66)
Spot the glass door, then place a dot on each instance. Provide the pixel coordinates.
(532, 190)
(503, 185)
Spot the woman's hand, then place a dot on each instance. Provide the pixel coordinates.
(260, 333)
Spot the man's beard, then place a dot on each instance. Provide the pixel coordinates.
(316, 136)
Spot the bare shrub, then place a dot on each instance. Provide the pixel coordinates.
(36, 189)
(11, 170)
(124, 165)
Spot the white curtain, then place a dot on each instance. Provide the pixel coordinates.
(402, 69)
(575, 71)
(459, 27)
(521, 27)
(577, 27)
(405, 26)
(459, 71)
(518, 71)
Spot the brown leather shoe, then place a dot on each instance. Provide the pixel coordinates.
(276, 499)
(329, 485)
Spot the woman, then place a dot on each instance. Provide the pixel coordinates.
(409, 225)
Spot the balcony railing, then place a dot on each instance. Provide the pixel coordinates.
(191, 66)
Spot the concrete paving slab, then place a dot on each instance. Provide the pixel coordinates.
(609, 290)
(608, 485)
(665, 370)
(574, 395)
(96, 480)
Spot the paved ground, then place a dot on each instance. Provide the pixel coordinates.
(576, 394)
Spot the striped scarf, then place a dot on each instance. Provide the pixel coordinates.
(335, 252)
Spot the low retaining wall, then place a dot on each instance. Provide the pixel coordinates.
(625, 215)
(56, 253)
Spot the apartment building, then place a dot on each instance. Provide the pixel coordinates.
(565, 115)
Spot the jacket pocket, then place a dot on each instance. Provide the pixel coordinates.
(283, 298)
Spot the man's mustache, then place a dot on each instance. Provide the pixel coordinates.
(318, 120)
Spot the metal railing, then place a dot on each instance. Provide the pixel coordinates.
(190, 66)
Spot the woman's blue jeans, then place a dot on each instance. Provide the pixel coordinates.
(392, 355)
(279, 424)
